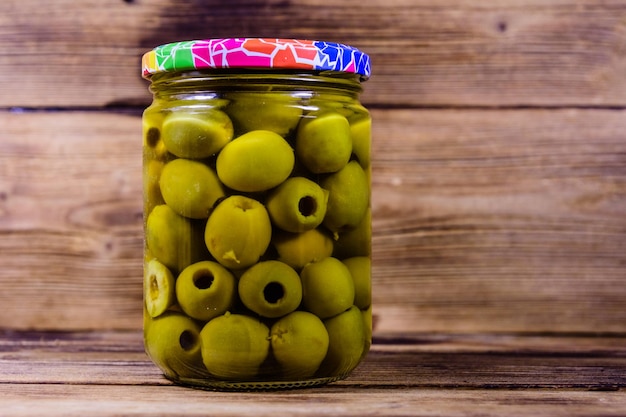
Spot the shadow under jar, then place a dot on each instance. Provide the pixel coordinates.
(256, 179)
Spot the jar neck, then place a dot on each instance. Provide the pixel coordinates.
(185, 83)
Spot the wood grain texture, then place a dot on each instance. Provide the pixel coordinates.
(107, 373)
(30, 400)
(425, 52)
(70, 220)
(514, 217)
(505, 221)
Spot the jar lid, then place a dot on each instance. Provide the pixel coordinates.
(255, 53)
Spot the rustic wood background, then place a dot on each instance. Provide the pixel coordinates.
(499, 156)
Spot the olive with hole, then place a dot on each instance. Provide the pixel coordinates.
(173, 239)
(270, 289)
(299, 249)
(238, 232)
(196, 135)
(153, 146)
(347, 342)
(348, 198)
(327, 287)
(158, 288)
(255, 161)
(296, 205)
(234, 346)
(190, 187)
(299, 344)
(205, 290)
(323, 142)
(172, 342)
(264, 111)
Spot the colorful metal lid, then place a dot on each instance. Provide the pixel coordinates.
(256, 53)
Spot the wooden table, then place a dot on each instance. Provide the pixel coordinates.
(107, 373)
(498, 199)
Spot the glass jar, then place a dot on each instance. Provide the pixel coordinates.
(257, 262)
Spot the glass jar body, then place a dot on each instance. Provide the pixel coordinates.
(257, 257)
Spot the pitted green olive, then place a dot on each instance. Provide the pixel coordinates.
(270, 289)
(196, 135)
(327, 287)
(234, 346)
(264, 111)
(357, 241)
(238, 232)
(298, 249)
(368, 323)
(298, 204)
(158, 288)
(172, 342)
(173, 239)
(360, 270)
(190, 187)
(324, 102)
(299, 344)
(152, 193)
(348, 198)
(323, 142)
(361, 132)
(205, 290)
(347, 342)
(255, 161)
(153, 146)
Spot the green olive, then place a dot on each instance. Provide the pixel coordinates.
(299, 344)
(361, 271)
(173, 239)
(270, 289)
(323, 142)
(153, 146)
(298, 249)
(152, 193)
(347, 342)
(196, 135)
(357, 241)
(205, 290)
(158, 288)
(234, 346)
(264, 111)
(172, 342)
(367, 322)
(348, 198)
(361, 133)
(191, 188)
(327, 287)
(255, 161)
(238, 232)
(357, 112)
(324, 102)
(296, 205)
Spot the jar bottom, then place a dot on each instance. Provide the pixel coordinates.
(216, 385)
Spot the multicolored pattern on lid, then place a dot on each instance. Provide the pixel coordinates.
(256, 53)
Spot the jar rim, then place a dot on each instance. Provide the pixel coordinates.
(255, 53)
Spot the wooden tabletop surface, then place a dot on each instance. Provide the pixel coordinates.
(108, 374)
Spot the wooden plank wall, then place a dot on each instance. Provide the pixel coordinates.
(499, 155)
